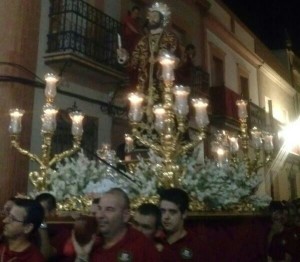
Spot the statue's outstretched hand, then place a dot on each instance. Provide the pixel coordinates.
(122, 55)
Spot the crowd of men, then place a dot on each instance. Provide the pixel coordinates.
(113, 232)
(110, 233)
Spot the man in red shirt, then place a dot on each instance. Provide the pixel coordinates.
(174, 203)
(51, 237)
(132, 31)
(119, 241)
(146, 219)
(22, 221)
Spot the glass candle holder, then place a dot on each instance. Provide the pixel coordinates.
(200, 105)
(77, 118)
(135, 110)
(256, 138)
(167, 61)
(160, 114)
(15, 126)
(181, 100)
(233, 144)
(50, 90)
(128, 143)
(242, 108)
(268, 142)
(49, 118)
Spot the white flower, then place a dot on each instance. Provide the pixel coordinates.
(79, 175)
(216, 187)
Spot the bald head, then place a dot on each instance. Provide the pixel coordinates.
(113, 213)
(122, 197)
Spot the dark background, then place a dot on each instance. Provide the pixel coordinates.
(273, 21)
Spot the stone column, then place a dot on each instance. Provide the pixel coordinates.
(19, 31)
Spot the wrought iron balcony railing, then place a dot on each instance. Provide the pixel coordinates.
(196, 78)
(223, 104)
(78, 27)
(199, 83)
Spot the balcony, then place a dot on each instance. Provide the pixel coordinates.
(196, 78)
(83, 34)
(223, 108)
(224, 111)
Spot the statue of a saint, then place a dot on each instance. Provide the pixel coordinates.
(144, 58)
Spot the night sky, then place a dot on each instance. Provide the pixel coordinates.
(270, 20)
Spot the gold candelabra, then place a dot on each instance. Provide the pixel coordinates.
(40, 178)
(165, 134)
(256, 145)
(164, 130)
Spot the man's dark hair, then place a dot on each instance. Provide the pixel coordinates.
(48, 199)
(148, 209)
(277, 206)
(177, 196)
(135, 7)
(34, 211)
(96, 200)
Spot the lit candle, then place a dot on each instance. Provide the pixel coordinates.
(220, 154)
(159, 113)
(50, 90)
(49, 118)
(103, 151)
(135, 110)
(15, 126)
(242, 108)
(119, 41)
(181, 99)
(233, 144)
(167, 60)
(201, 117)
(268, 143)
(128, 143)
(77, 118)
(256, 138)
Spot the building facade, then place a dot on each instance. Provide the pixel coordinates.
(77, 40)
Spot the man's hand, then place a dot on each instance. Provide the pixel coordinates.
(82, 252)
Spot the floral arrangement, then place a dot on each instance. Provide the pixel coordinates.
(223, 187)
(78, 175)
(215, 187)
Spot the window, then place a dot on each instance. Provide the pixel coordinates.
(217, 69)
(217, 62)
(268, 104)
(63, 139)
(269, 110)
(243, 81)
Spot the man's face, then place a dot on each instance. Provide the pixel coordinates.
(112, 216)
(135, 13)
(7, 207)
(47, 212)
(145, 224)
(14, 226)
(171, 216)
(154, 20)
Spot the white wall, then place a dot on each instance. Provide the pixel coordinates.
(220, 14)
(244, 37)
(113, 8)
(74, 83)
(232, 59)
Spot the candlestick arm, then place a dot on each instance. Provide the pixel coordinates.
(33, 157)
